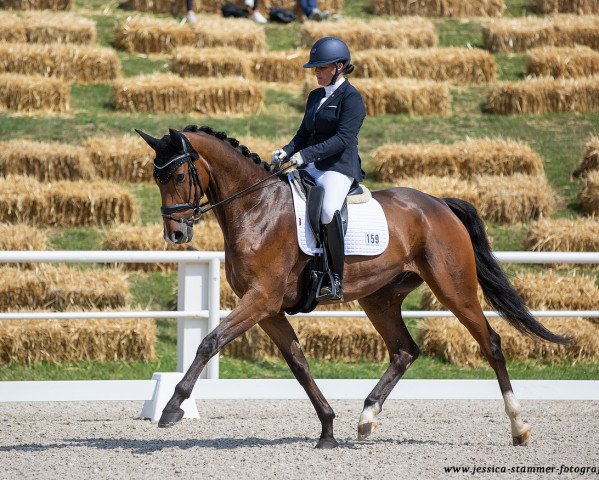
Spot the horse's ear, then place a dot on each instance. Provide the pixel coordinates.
(150, 140)
(176, 138)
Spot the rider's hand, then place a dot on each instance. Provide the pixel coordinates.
(295, 161)
(277, 158)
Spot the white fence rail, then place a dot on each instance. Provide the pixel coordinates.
(198, 312)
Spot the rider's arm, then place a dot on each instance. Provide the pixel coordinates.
(300, 140)
(351, 117)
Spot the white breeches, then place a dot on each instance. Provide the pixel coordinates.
(336, 187)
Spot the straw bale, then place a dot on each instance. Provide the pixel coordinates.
(563, 235)
(64, 203)
(456, 65)
(45, 161)
(564, 62)
(443, 187)
(540, 291)
(229, 32)
(62, 288)
(484, 156)
(25, 93)
(340, 339)
(173, 94)
(581, 7)
(280, 66)
(544, 95)
(153, 35)
(405, 32)
(521, 34)
(210, 62)
(207, 237)
(515, 198)
(127, 158)
(47, 27)
(30, 341)
(590, 159)
(22, 237)
(401, 95)
(439, 8)
(589, 195)
(158, 6)
(78, 63)
(449, 339)
(37, 4)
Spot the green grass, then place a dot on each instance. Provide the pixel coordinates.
(558, 138)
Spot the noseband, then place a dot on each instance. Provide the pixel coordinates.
(195, 185)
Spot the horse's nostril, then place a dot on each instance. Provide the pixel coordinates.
(177, 236)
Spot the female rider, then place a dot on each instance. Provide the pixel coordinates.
(326, 145)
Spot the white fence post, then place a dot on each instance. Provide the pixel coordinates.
(214, 313)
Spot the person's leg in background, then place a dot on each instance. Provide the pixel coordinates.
(310, 9)
(255, 15)
(191, 16)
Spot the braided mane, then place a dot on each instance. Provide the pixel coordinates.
(245, 151)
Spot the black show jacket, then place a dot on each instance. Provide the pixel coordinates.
(328, 135)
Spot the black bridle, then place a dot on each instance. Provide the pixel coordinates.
(195, 186)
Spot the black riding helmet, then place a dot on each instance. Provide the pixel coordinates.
(329, 50)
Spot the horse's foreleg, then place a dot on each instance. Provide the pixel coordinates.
(252, 308)
(282, 334)
(384, 311)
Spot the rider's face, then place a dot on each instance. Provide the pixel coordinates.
(324, 74)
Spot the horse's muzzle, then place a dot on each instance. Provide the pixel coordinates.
(181, 234)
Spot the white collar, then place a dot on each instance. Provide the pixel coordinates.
(329, 89)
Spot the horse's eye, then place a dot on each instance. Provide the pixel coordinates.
(180, 177)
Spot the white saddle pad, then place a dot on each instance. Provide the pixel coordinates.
(367, 232)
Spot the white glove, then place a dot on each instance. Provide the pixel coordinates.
(277, 158)
(250, 3)
(295, 161)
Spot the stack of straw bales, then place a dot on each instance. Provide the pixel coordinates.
(589, 195)
(581, 7)
(393, 96)
(45, 161)
(455, 65)
(510, 199)
(541, 291)
(459, 160)
(280, 66)
(33, 93)
(173, 94)
(69, 62)
(119, 159)
(207, 237)
(152, 35)
(590, 159)
(37, 4)
(515, 198)
(22, 237)
(439, 8)
(64, 203)
(520, 34)
(359, 35)
(45, 27)
(62, 288)
(544, 95)
(564, 235)
(31, 341)
(340, 339)
(564, 62)
(449, 339)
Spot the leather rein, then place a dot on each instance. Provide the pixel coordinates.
(195, 185)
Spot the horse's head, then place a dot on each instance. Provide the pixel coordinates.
(182, 178)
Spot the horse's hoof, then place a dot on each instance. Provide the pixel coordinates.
(169, 418)
(524, 438)
(365, 429)
(327, 444)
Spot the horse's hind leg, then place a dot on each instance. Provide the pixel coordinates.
(282, 334)
(384, 311)
(454, 283)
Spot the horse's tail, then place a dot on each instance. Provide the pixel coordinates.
(498, 290)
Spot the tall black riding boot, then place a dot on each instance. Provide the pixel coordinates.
(335, 246)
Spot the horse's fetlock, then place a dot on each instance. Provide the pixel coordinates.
(182, 391)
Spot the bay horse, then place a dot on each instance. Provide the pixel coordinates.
(440, 241)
